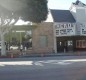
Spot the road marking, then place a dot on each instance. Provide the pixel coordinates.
(42, 63)
(16, 63)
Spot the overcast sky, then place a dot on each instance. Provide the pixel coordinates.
(61, 4)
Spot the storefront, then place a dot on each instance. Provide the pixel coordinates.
(19, 35)
(71, 44)
(69, 37)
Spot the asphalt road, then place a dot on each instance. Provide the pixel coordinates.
(47, 68)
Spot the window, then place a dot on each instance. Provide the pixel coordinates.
(70, 43)
(43, 41)
(81, 44)
(18, 37)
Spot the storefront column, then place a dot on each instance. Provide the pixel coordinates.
(55, 44)
(20, 38)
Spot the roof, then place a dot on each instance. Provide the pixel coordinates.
(62, 16)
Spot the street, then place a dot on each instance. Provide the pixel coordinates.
(44, 68)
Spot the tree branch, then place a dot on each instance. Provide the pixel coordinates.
(14, 21)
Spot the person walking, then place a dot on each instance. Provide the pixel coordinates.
(21, 48)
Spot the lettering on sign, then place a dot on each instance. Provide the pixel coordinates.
(83, 31)
(64, 29)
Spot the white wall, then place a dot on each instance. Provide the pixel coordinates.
(81, 15)
(49, 17)
(73, 11)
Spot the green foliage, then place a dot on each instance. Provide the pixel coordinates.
(28, 10)
(36, 11)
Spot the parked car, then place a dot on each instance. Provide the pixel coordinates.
(13, 47)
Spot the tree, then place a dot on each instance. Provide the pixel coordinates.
(13, 10)
(27, 10)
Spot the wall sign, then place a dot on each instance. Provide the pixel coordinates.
(83, 30)
(65, 29)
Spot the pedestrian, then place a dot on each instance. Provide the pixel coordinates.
(25, 49)
(21, 48)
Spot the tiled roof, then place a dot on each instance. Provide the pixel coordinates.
(62, 16)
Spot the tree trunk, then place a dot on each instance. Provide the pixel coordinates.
(3, 46)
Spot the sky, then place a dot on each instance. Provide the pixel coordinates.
(61, 4)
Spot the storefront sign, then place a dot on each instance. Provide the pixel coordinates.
(65, 29)
(83, 31)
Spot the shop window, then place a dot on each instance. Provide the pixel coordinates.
(77, 44)
(43, 41)
(70, 43)
(81, 44)
(18, 37)
(84, 44)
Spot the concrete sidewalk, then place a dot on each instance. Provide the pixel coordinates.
(78, 53)
(55, 54)
(41, 58)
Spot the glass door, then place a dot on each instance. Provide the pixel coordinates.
(60, 46)
(70, 45)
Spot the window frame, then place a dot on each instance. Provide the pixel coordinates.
(80, 43)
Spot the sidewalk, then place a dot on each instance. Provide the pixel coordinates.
(56, 54)
(16, 55)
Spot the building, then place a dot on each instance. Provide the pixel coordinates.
(63, 31)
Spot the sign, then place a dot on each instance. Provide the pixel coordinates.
(83, 30)
(67, 29)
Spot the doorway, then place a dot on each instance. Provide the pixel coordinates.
(69, 45)
(60, 46)
(65, 46)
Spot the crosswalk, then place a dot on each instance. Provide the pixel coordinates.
(41, 63)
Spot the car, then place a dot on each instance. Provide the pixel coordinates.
(13, 47)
